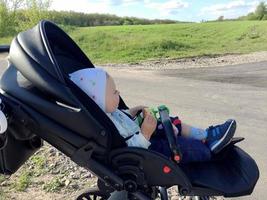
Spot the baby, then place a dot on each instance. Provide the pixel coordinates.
(196, 144)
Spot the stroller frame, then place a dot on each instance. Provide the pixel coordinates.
(36, 84)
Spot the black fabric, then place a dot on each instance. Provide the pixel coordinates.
(19, 141)
(122, 104)
(126, 114)
(67, 54)
(50, 47)
(42, 79)
(3, 140)
(16, 152)
(45, 55)
(34, 47)
(82, 124)
(234, 173)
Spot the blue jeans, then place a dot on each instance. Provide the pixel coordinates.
(192, 150)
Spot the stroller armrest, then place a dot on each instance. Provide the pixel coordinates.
(4, 48)
(167, 125)
(3, 140)
(136, 161)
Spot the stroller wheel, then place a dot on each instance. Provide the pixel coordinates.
(163, 193)
(208, 198)
(93, 194)
(198, 198)
(204, 198)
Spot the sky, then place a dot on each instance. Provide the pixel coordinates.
(181, 10)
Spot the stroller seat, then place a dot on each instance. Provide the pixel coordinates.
(234, 171)
(36, 83)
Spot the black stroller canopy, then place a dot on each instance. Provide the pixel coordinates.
(44, 56)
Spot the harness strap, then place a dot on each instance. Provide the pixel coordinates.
(127, 114)
(129, 137)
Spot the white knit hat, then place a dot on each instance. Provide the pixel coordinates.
(93, 82)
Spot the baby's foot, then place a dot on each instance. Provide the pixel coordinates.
(220, 136)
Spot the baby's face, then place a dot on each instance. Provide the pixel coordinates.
(112, 95)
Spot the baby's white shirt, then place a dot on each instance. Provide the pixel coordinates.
(127, 127)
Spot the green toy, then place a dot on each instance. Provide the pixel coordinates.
(154, 111)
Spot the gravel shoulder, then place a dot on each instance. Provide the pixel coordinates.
(185, 63)
(195, 62)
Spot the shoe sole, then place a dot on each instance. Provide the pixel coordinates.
(227, 138)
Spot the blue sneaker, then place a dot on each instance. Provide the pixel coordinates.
(220, 136)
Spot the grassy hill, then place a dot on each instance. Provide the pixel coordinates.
(123, 44)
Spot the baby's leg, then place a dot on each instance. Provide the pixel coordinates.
(186, 130)
(193, 132)
(192, 150)
(216, 137)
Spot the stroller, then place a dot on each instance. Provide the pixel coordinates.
(41, 103)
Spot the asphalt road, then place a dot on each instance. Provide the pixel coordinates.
(207, 96)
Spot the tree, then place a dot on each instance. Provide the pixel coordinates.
(8, 20)
(264, 17)
(261, 10)
(35, 11)
(128, 21)
(251, 16)
(221, 18)
(18, 15)
(3, 19)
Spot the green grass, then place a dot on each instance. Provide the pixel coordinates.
(53, 186)
(5, 40)
(129, 44)
(2, 178)
(2, 195)
(2, 192)
(23, 181)
(39, 164)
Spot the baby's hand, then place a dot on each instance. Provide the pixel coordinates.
(149, 124)
(142, 107)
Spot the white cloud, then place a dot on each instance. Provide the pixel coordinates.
(170, 7)
(80, 6)
(232, 9)
(89, 6)
(122, 2)
(163, 9)
(158, 9)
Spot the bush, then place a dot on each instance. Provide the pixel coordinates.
(261, 10)
(36, 11)
(252, 16)
(13, 19)
(259, 14)
(53, 186)
(7, 21)
(264, 17)
(23, 181)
